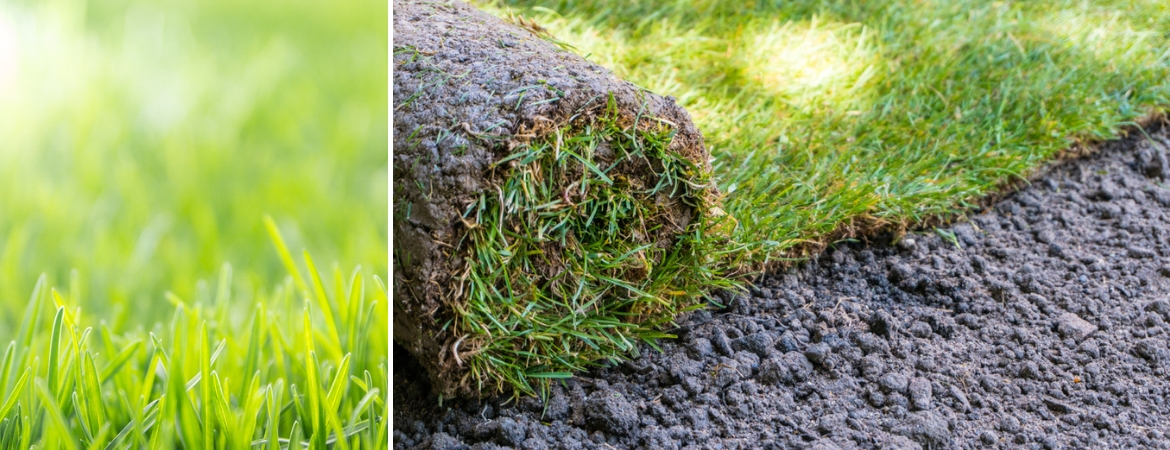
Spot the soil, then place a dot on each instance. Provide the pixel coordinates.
(1039, 323)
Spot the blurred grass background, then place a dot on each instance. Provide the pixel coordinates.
(141, 143)
(831, 118)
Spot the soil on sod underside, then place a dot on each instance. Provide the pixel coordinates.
(1040, 323)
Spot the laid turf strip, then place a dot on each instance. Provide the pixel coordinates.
(1041, 323)
(831, 119)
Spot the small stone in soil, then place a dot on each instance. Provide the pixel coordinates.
(1139, 252)
(1161, 307)
(787, 342)
(920, 394)
(927, 428)
(1073, 326)
(1009, 424)
(894, 382)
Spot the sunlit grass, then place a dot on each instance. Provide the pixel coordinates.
(813, 64)
(828, 119)
(141, 144)
(303, 366)
(1107, 35)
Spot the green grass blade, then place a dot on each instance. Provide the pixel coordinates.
(222, 410)
(255, 338)
(149, 415)
(6, 368)
(205, 387)
(285, 256)
(334, 395)
(249, 418)
(56, 418)
(120, 360)
(92, 389)
(30, 321)
(363, 405)
(339, 386)
(313, 381)
(357, 294)
(296, 438)
(55, 349)
(322, 302)
(274, 396)
(14, 395)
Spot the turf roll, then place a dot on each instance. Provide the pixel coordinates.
(548, 216)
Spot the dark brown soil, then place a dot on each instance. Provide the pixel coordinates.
(1046, 329)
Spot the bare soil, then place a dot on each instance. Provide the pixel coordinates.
(1039, 323)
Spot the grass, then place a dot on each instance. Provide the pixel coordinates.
(834, 119)
(303, 367)
(142, 144)
(827, 121)
(578, 256)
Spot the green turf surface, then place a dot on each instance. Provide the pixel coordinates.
(141, 145)
(828, 118)
(834, 120)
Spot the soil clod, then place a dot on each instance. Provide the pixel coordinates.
(1072, 326)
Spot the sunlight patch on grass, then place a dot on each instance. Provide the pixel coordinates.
(1106, 35)
(815, 63)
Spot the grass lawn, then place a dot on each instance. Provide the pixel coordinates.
(143, 302)
(830, 120)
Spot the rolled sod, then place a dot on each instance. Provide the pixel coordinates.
(548, 216)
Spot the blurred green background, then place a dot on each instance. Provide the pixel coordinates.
(142, 142)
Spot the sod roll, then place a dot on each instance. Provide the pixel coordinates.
(547, 215)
